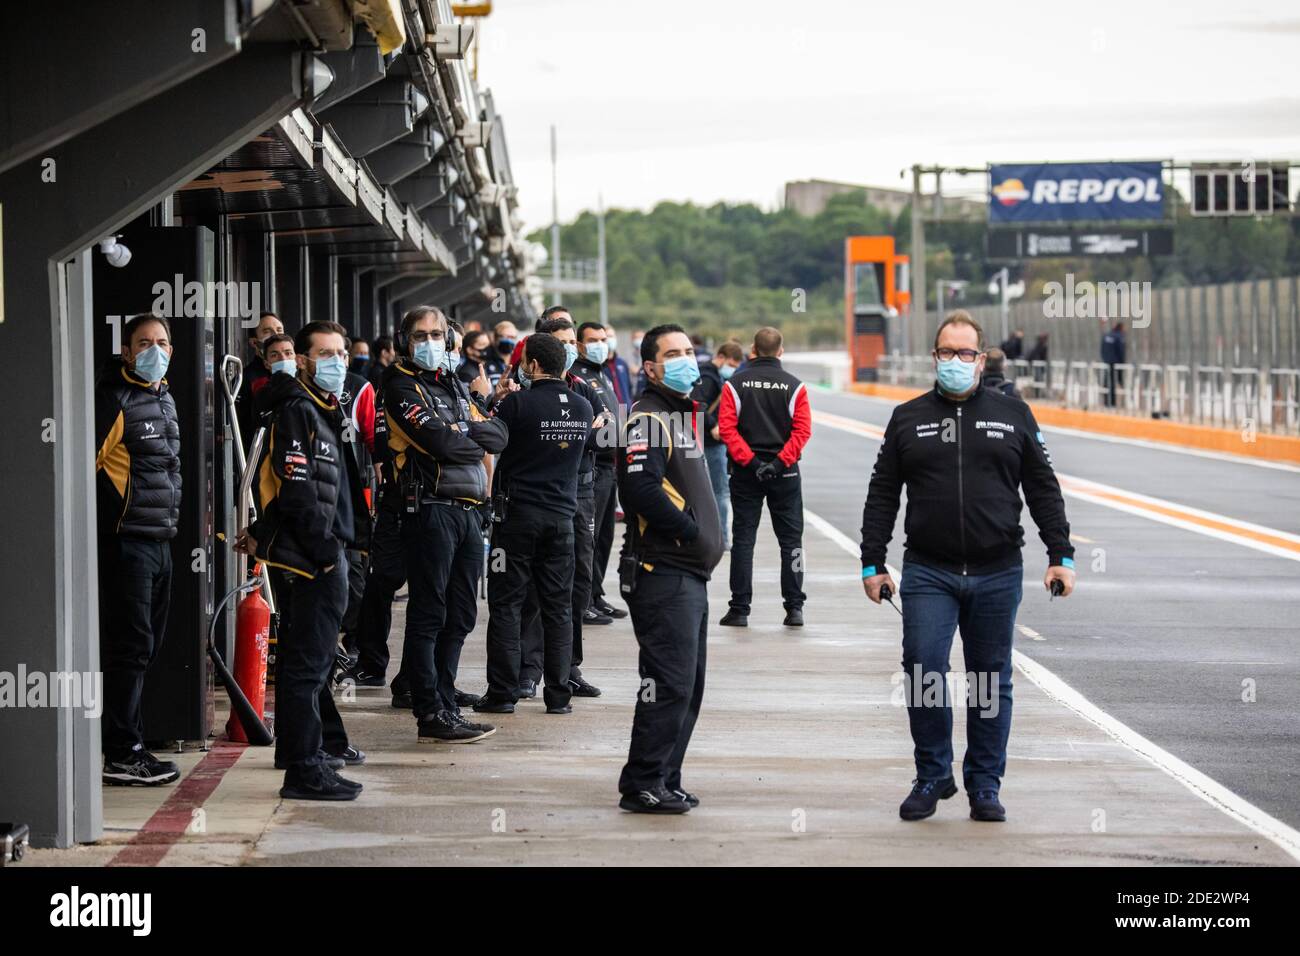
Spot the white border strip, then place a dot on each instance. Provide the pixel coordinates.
(1209, 790)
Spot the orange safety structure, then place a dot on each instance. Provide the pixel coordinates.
(875, 291)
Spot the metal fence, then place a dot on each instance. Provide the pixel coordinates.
(1254, 324)
(1225, 396)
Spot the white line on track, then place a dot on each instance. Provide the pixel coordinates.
(1118, 439)
(1207, 523)
(1208, 789)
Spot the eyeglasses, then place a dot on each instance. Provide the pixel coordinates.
(435, 335)
(966, 355)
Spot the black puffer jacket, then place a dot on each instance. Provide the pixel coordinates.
(298, 482)
(435, 431)
(138, 465)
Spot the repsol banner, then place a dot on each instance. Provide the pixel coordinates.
(1064, 192)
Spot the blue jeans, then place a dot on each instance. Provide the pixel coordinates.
(935, 604)
(716, 457)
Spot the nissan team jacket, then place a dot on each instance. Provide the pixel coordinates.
(963, 464)
(764, 414)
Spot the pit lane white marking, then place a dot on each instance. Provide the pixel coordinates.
(1208, 789)
(1143, 506)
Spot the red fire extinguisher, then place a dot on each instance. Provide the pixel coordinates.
(252, 631)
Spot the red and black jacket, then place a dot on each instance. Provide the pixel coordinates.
(764, 414)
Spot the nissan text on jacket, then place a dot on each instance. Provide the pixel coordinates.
(963, 464)
(764, 413)
(434, 428)
(137, 464)
(664, 486)
(304, 463)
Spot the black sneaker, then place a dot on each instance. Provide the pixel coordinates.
(658, 800)
(604, 607)
(690, 799)
(794, 617)
(402, 700)
(326, 759)
(361, 677)
(446, 727)
(581, 688)
(141, 769)
(466, 699)
(925, 796)
(985, 807)
(591, 618)
(322, 784)
(734, 618)
(564, 709)
(485, 729)
(350, 756)
(527, 690)
(487, 705)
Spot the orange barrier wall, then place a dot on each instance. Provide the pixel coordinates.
(1271, 447)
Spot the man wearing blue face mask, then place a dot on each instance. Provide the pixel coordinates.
(673, 543)
(138, 486)
(438, 440)
(964, 453)
(312, 509)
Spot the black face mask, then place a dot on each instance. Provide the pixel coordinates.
(506, 346)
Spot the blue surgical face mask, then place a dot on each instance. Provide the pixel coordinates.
(597, 352)
(524, 380)
(287, 366)
(453, 361)
(331, 372)
(681, 373)
(727, 371)
(429, 353)
(151, 364)
(955, 376)
(570, 356)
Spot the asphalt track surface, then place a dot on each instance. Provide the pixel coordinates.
(1171, 626)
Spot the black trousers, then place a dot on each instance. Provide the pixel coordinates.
(670, 615)
(531, 548)
(784, 497)
(135, 586)
(356, 592)
(444, 558)
(532, 645)
(304, 662)
(385, 578)
(606, 506)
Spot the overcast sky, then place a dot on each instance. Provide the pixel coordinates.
(729, 99)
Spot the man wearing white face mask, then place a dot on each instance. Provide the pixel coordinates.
(964, 453)
(138, 486)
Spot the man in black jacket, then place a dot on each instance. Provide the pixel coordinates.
(673, 543)
(994, 375)
(438, 439)
(714, 374)
(535, 491)
(312, 508)
(532, 641)
(963, 453)
(590, 368)
(138, 490)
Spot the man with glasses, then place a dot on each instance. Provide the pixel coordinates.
(963, 453)
(438, 439)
